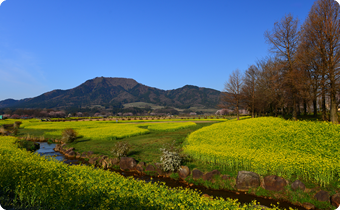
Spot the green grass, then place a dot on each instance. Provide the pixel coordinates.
(144, 148)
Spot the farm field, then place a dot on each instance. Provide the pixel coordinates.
(297, 150)
(53, 185)
(97, 135)
(301, 150)
(104, 130)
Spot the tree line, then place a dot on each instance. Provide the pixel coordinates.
(300, 74)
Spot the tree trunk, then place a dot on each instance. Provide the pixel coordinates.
(276, 110)
(304, 107)
(323, 100)
(252, 111)
(237, 112)
(315, 109)
(294, 114)
(334, 108)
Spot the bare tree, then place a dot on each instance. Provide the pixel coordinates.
(231, 97)
(269, 85)
(249, 87)
(284, 40)
(322, 29)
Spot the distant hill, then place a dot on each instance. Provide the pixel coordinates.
(112, 91)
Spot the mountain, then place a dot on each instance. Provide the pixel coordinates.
(112, 91)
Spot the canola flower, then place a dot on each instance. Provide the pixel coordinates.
(47, 183)
(105, 130)
(169, 126)
(271, 145)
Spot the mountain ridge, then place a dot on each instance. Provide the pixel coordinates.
(111, 91)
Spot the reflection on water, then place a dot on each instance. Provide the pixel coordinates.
(46, 149)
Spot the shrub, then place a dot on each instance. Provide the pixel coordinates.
(28, 145)
(17, 124)
(170, 160)
(121, 149)
(69, 135)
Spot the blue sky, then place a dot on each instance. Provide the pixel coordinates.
(50, 44)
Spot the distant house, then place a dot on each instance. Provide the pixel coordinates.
(128, 114)
(15, 116)
(193, 113)
(223, 112)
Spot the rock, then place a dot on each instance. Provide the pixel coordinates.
(70, 154)
(139, 168)
(336, 200)
(57, 148)
(93, 160)
(127, 163)
(225, 177)
(159, 169)
(246, 180)
(150, 168)
(308, 206)
(216, 172)
(142, 164)
(115, 161)
(110, 162)
(158, 166)
(298, 185)
(69, 150)
(210, 175)
(274, 183)
(102, 158)
(83, 156)
(207, 176)
(104, 165)
(322, 196)
(89, 154)
(63, 145)
(196, 174)
(78, 155)
(184, 172)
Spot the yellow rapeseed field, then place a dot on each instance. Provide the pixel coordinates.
(271, 145)
(105, 130)
(50, 184)
(169, 126)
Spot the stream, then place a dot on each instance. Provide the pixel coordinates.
(46, 149)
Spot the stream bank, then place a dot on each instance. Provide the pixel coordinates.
(46, 149)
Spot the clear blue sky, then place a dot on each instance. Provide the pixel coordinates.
(50, 44)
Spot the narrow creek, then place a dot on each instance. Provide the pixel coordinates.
(46, 149)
